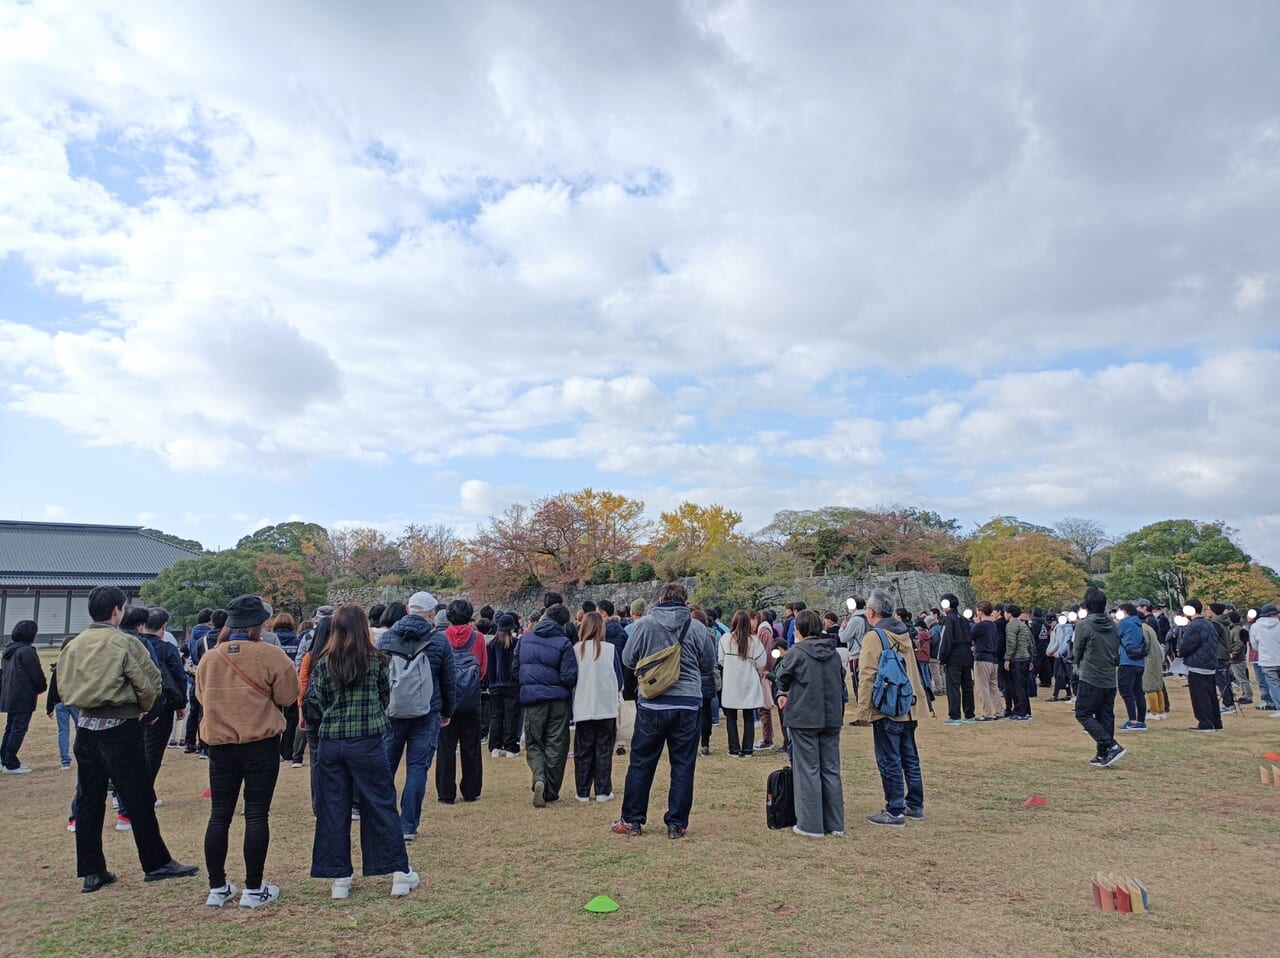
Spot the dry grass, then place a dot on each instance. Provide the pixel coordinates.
(983, 876)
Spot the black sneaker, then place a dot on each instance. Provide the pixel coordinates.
(1098, 761)
(675, 831)
(173, 869)
(915, 814)
(93, 882)
(1116, 753)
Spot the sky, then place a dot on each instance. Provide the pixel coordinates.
(406, 262)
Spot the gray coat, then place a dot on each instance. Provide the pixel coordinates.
(812, 678)
(655, 632)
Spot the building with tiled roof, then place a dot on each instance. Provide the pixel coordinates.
(48, 568)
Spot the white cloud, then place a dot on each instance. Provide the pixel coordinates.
(1251, 291)
(480, 498)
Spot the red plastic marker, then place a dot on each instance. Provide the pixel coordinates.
(207, 793)
(1035, 801)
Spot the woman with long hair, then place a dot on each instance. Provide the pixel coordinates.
(764, 632)
(353, 689)
(244, 683)
(595, 709)
(504, 690)
(741, 655)
(310, 736)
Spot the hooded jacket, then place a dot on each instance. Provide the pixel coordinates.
(869, 665)
(464, 637)
(1060, 639)
(23, 678)
(107, 674)
(502, 661)
(812, 679)
(1264, 636)
(852, 631)
(657, 631)
(956, 647)
(1097, 650)
(1131, 639)
(408, 637)
(545, 665)
(1198, 645)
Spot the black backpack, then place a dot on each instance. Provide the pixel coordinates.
(172, 696)
(780, 801)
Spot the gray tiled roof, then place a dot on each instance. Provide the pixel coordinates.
(45, 554)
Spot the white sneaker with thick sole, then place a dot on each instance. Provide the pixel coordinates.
(404, 882)
(20, 770)
(495, 754)
(341, 888)
(257, 897)
(159, 803)
(605, 798)
(220, 896)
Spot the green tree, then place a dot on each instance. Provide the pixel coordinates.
(207, 582)
(174, 540)
(288, 583)
(289, 538)
(1156, 561)
(748, 574)
(1008, 561)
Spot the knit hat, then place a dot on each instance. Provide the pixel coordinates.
(246, 611)
(506, 622)
(423, 601)
(324, 612)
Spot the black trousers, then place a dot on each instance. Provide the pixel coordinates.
(1204, 700)
(461, 735)
(745, 745)
(1096, 713)
(155, 739)
(705, 717)
(115, 755)
(504, 719)
(959, 691)
(1061, 677)
(287, 743)
(1020, 677)
(256, 765)
(1129, 679)
(593, 756)
(191, 740)
(1224, 685)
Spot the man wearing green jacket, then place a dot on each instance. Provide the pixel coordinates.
(1097, 654)
(1017, 662)
(109, 676)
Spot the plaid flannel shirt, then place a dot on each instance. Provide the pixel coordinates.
(357, 712)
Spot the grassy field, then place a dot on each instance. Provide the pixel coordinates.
(984, 875)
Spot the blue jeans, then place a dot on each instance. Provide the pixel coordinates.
(417, 739)
(66, 717)
(1271, 673)
(356, 767)
(899, 763)
(677, 730)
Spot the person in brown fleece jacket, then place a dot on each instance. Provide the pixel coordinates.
(243, 683)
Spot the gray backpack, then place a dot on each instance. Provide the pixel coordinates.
(412, 685)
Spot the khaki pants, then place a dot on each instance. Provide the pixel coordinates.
(1155, 702)
(985, 677)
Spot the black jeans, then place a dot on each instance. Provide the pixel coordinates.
(192, 738)
(1020, 676)
(1224, 685)
(1129, 678)
(704, 715)
(15, 731)
(959, 691)
(461, 734)
(1204, 700)
(155, 739)
(593, 756)
(287, 741)
(1061, 676)
(256, 765)
(1096, 713)
(504, 719)
(745, 745)
(115, 755)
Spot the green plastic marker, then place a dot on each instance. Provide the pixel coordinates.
(602, 904)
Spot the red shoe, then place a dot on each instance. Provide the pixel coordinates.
(625, 828)
(123, 824)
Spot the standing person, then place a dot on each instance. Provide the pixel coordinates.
(811, 687)
(504, 690)
(110, 678)
(309, 735)
(208, 641)
(1133, 663)
(1097, 653)
(462, 735)
(764, 632)
(1198, 645)
(158, 724)
(706, 716)
(956, 655)
(547, 671)
(894, 736)
(244, 683)
(284, 626)
(851, 633)
(1239, 644)
(191, 731)
(417, 736)
(986, 663)
(352, 691)
(741, 656)
(1153, 673)
(1059, 652)
(668, 720)
(66, 717)
(21, 683)
(1018, 659)
(595, 709)
(1228, 644)
(1264, 639)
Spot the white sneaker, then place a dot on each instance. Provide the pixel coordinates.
(20, 770)
(503, 753)
(159, 803)
(355, 814)
(583, 798)
(605, 798)
(115, 803)
(257, 897)
(1274, 715)
(404, 882)
(297, 765)
(496, 753)
(341, 888)
(220, 896)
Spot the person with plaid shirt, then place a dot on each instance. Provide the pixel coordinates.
(354, 689)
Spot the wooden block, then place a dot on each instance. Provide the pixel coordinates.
(1265, 772)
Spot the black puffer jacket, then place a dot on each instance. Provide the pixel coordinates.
(23, 678)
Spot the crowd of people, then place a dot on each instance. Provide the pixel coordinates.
(426, 682)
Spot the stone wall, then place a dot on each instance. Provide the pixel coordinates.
(913, 590)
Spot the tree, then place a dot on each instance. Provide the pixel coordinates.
(748, 574)
(287, 583)
(434, 553)
(613, 525)
(174, 540)
(1155, 561)
(1245, 584)
(207, 582)
(689, 534)
(289, 538)
(1084, 536)
(363, 554)
(1007, 562)
(500, 563)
